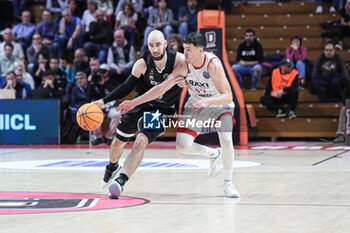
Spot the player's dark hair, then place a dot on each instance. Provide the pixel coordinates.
(197, 39)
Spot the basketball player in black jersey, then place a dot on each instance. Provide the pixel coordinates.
(150, 70)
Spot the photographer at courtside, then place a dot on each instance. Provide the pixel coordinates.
(102, 83)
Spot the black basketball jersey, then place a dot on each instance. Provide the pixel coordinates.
(153, 77)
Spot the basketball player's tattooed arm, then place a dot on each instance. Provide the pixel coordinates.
(125, 88)
(217, 73)
(179, 72)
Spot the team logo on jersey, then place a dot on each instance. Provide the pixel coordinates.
(206, 75)
(151, 75)
(198, 84)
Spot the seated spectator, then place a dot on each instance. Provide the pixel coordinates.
(70, 33)
(76, 8)
(24, 31)
(40, 68)
(100, 37)
(160, 19)
(81, 61)
(80, 93)
(8, 39)
(65, 67)
(137, 5)
(175, 6)
(48, 30)
(176, 43)
(107, 7)
(88, 15)
(56, 7)
(344, 29)
(126, 20)
(188, 18)
(34, 50)
(319, 8)
(297, 53)
(22, 89)
(282, 88)
(19, 67)
(121, 56)
(249, 57)
(48, 89)
(61, 81)
(7, 62)
(330, 76)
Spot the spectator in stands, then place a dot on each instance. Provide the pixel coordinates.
(81, 61)
(65, 67)
(126, 20)
(48, 89)
(22, 89)
(330, 76)
(80, 93)
(137, 5)
(48, 30)
(160, 19)
(344, 29)
(282, 88)
(24, 31)
(121, 56)
(297, 53)
(7, 62)
(176, 43)
(249, 57)
(188, 18)
(76, 9)
(8, 39)
(56, 7)
(175, 6)
(107, 7)
(88, 15)
(104, 84)
(70, 33)
(100, 37)
(60, 76)
(319, 8)
(40, 69)
(34, 50)
(26, 76)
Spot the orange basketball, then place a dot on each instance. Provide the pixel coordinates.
(89, 117)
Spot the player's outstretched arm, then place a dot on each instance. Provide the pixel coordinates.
(127, 86)
(179, 72)
(217, 73)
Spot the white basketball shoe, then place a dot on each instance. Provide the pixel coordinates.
(230, 190)
(214, 163)
(115, 190)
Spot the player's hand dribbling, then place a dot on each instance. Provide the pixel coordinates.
(126, 106)
(99, 102)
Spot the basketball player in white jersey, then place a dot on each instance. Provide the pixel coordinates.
(210, 97)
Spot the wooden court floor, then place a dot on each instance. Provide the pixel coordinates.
(291, 191)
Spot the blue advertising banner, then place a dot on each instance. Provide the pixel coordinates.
(29, 121)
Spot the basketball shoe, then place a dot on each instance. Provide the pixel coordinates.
(214, 163)
(230, 190)
(109, 175)
(115, 190)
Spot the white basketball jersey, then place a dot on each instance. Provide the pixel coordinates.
(201, 84)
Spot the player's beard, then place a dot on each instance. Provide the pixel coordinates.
(160, 57)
